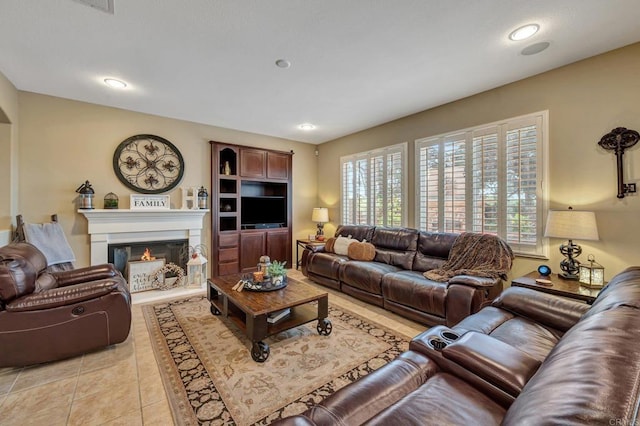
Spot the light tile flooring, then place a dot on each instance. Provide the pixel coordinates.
(120, 385)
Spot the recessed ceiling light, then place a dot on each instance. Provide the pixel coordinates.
(283, 63)
(524, 32)
(306, 126)
(116, 84)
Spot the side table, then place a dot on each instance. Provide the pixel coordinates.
(559, 287)
(303, 244)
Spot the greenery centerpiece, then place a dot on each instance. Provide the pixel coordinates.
(277, 271)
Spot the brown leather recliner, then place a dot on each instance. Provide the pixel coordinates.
(51, 316)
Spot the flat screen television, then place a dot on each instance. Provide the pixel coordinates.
(263, 212)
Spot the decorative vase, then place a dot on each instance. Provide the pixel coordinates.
(227, 168)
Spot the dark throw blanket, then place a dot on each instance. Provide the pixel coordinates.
(481, 255)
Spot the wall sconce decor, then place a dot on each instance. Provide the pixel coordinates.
(571, 224)
(592, 274)
(618, 140)
(321, 216)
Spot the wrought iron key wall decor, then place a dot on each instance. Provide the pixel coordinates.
(618, 140)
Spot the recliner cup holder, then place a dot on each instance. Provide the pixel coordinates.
(437, 343)
(449, 335)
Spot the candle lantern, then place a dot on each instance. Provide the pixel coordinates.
(592, 274)
(86, 192)
(203, 198)
(197, 269)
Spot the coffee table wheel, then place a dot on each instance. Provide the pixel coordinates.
(324, 327)
(215, 311)
(260, 351)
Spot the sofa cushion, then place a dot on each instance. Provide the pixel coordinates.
(529, 336)
(412, 289)
(395, 246)
(325, 264)
(623, 289)
(432, 250)
(365, 276)
(341, 245)
(361, 251)
(20, 264)
(445, 400)
(590, 377)
(357, 232)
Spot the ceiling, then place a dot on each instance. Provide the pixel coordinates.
(354, 64)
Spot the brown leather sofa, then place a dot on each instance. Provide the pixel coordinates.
(529, 359)
(395, 280)
(50, 316)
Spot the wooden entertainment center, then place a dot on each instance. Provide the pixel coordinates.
(250, 207)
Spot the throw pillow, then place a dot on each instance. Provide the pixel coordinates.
(341, 246)
(328, 245)
(362, 251)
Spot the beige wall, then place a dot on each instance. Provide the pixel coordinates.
(585, 101)
(65, 142)
(8, 156)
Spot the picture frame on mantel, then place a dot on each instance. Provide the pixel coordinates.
(150, 202)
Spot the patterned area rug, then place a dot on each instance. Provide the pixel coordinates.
(211, 379)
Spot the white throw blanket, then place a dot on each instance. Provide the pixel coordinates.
(50, 240)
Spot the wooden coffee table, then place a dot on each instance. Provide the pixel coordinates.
(249, 310)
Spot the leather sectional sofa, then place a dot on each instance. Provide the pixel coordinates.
(395, 280)
(530, 358)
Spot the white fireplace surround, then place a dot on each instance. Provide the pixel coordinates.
(119, 226)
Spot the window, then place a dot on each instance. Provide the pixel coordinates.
(374, 187)
(486, 179)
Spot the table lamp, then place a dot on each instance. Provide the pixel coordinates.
(571, 224)
(321, 216)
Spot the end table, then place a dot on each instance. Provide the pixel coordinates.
(559, 287)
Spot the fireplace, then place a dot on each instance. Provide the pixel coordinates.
(137, 229)
(172, 251)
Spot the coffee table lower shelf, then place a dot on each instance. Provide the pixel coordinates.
(256, 325)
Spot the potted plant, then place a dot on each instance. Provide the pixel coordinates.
(277, 272)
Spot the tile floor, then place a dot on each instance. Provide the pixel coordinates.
(119, 385)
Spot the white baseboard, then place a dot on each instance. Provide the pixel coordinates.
(5, 237)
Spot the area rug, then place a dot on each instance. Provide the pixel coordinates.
(211, 379)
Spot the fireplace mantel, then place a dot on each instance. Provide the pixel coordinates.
(118, 226)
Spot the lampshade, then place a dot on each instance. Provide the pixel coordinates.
(571, 225)
(320, 215)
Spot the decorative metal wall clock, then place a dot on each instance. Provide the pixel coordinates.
(148, 164)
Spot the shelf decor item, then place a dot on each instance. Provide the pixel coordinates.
(571, 224)
(85, 200)
(148, 164)
(111, 201)
(592, 274)
(161, 282)
(203, 198)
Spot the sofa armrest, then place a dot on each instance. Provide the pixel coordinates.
(473, 281)
(316, 248)
(62, 296)
(81, 275)
(499, 363)
(553, 311)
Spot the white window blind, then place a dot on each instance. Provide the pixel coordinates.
(374, 187)
(486, 179)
